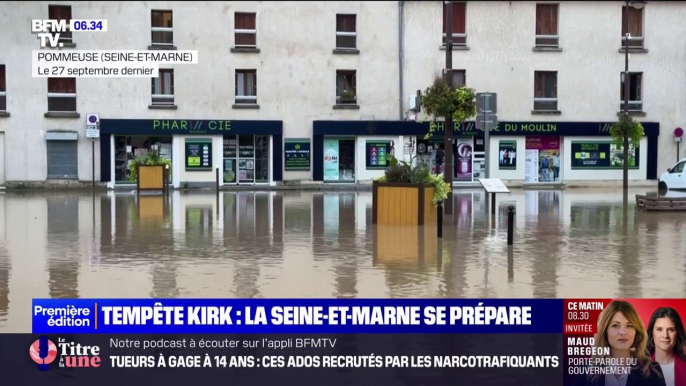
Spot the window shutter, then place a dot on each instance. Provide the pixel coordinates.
(546, 19)
(3, 84)
(254, 84)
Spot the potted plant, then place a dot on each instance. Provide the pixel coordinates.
(407, 195)
(347, 96)
(150, 171)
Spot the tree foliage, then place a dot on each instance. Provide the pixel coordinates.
(629, 127)
(401, 172)
(441, 101)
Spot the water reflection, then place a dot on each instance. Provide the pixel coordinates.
(574, 243)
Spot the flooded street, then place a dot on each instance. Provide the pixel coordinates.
(571, 243)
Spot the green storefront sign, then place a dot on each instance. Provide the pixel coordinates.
(198, 154)
(297, 154)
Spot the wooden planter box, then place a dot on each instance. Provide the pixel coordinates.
(403, 204)
(151, 177)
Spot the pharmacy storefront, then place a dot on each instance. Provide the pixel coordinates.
(559, 152)
(244, 152)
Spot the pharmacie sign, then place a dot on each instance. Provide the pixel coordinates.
(191, 126)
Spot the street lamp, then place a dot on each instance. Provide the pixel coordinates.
(448, 168)
(626, 80)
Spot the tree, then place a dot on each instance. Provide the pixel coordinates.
(624, 130)
(441, 101)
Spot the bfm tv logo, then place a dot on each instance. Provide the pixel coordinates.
(44, 352)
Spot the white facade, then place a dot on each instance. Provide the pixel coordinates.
(296, 70)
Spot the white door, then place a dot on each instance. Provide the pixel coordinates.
(676, 178)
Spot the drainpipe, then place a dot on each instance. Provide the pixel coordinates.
(401, 112)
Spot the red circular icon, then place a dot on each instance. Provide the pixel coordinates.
(678, 132)
(35, 349)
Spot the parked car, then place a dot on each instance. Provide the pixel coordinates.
(674, 178)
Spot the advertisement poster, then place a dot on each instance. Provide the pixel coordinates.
(531, 166)
(602, 155)
(331, 160)
(199, 154)
(548, 156)
(297, 152)
(229, 171)
(378, 154)
(507, 155)
(465, 150)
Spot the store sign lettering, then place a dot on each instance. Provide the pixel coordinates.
(470, 127)
(192, 126)
(465, 127)
(531, 127)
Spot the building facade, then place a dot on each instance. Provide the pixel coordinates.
(323, 92)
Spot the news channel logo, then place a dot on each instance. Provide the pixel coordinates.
(43, 351)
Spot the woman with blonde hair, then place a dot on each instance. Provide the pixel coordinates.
(621, 330)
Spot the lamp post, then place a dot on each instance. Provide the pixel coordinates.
(448, 143)
(627, 82)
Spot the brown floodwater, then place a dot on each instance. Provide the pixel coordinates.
(573, 243)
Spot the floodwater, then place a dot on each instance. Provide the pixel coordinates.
(572, 243)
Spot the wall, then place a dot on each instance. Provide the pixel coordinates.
(601, 174)
(494, 162)
(363, 174)
(179, 160)
(500, 59)
(296, 70)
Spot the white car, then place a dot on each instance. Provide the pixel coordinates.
(674, 177)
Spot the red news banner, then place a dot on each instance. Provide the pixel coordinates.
(614, 338)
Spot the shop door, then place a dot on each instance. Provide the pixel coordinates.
(543, 161)
(262, 158)
(339, 160)
(463, 154)
(246, 159)
(230, 175)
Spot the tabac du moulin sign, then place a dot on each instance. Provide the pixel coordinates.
(297, 154)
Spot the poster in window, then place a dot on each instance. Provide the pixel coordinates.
(463, 166)
(602, 155)
(507, 155)
(378, 154)
(297, 154)
(199, 154)
(331, 169)
(229, 171)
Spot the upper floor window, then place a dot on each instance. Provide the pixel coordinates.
(3, 89)
(162, 28)
(546, 25)
(459, 78)
(459, 23)
(346, 87)
(245, 28)
(246, 86)
(634, 26)
(635, 91)
(59, 13)
(346, 32)
(163, 88)
(61, 94)
(545, 91)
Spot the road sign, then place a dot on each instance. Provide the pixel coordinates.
(92, 131)
(486, 121)
(486, 102)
